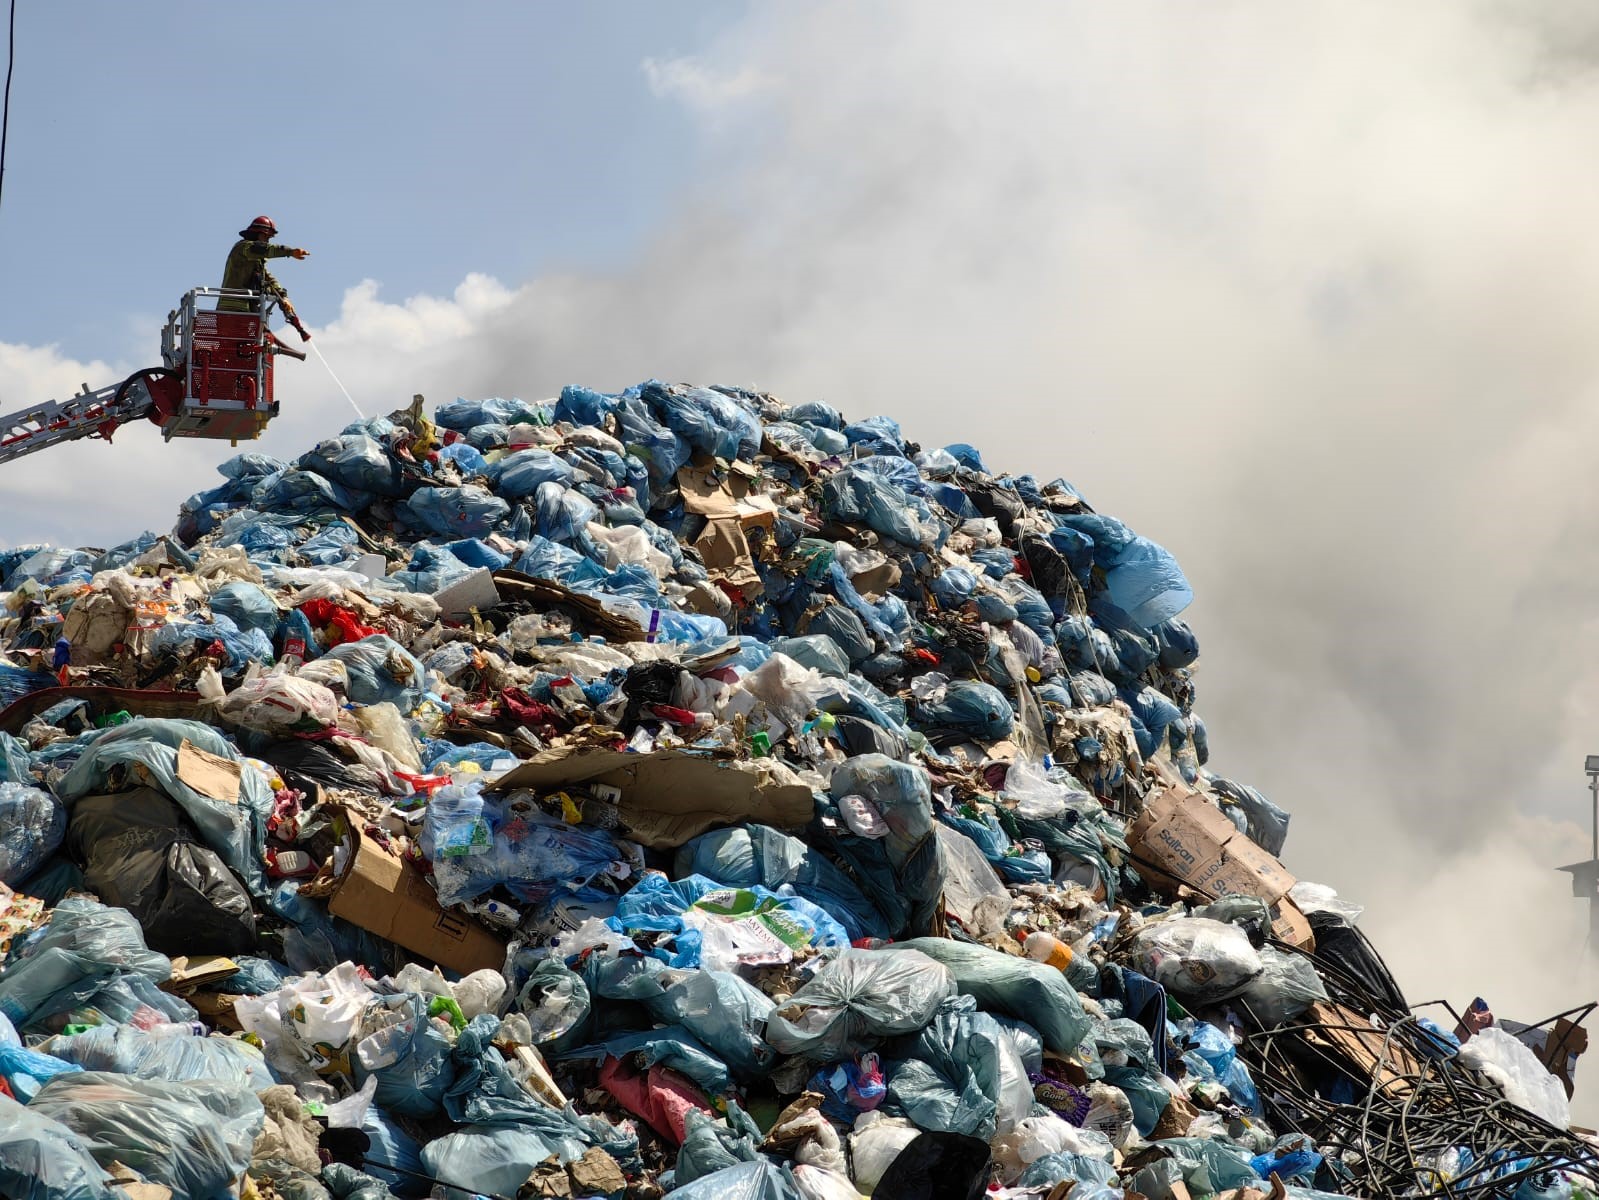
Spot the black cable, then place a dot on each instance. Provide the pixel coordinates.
(5, 106)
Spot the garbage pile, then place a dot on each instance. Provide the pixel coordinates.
(678, 791)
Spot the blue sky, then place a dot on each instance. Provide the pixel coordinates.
(403, 142)
(1304, 292)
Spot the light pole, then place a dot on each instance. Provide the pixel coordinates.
(1585, 875)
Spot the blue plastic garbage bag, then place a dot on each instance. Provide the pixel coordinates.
(1266, 824)
(816, 412)
(490, 1159)
(953, 586)
(247, 606)
(902, 872)
(748, 856)
(583, 406)
(1207, 1165)
(357, 461)
(1142, 577)
(556, 1002)
(1016, 987)
(461, 415)
(411, 1058)
(759, 1180)
(562, 513)
(489, 436)
(475, 553)
(545, 559)
(193, 1137)
(380, 669)
(1214, 1057)
(975, 709)
(888, 618)
(879, 435)
(708, 421)
(456, 512)
(670, 1045)
(255, 977)
(864, 497)
(26, 1071)
(656, 904)
(1052, 1168)
(319, 941)
(856, 999)
(336, 543)
(519, 475)
(392, 1146)
(124, 553)
(85, 944)
(1013, 865)
(1178, 645)
(510, 844)
(960, 1074)
(483, 1090)
(846, 630)
(660, 450)
(241, 647)
(51, 567)
(32, 824)
(711, 1145)
(15, 761)
(41, 1159)
(17, 682)
(302, 492)
(1292, 1157)
(234, 828)
(467, 457)
(129, 1050)
(814, 650)
(723, 1011)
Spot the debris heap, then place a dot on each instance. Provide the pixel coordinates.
(678, 790)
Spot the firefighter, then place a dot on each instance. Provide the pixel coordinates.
(246, 268)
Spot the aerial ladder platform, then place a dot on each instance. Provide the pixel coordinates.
(215, 381)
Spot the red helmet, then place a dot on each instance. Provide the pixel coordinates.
(258, 224)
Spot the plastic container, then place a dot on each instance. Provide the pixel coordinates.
(1046, 948)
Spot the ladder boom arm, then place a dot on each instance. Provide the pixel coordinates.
(86, 415)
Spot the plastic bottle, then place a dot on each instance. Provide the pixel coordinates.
(1045, 948)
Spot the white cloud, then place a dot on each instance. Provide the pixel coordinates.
(700, 86)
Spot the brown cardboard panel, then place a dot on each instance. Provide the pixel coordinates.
(726, 554)
(1186, 840)
(1344, 1032)
(209, 774)
(671, 796)
(385, 895)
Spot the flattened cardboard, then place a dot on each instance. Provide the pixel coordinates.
(1181, 840)
(726, 554)
(384, 895)
(670, 796)
(1369, 1050)
(197, 971)
(209, 774)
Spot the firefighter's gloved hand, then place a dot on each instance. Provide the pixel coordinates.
(298, 253)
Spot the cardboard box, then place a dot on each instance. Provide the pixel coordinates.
(1182, 840)
(385, 895)
(671, 796)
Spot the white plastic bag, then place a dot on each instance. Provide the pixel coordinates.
(972, 891)
(876, 1142)
(820, 1183)
(1515, 1068)
(1199, 959)
(386, 729)
(274, 703)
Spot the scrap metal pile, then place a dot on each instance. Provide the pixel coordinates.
(678, 791)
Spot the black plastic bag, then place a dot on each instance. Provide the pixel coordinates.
(937, 1166)
(140, 852)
